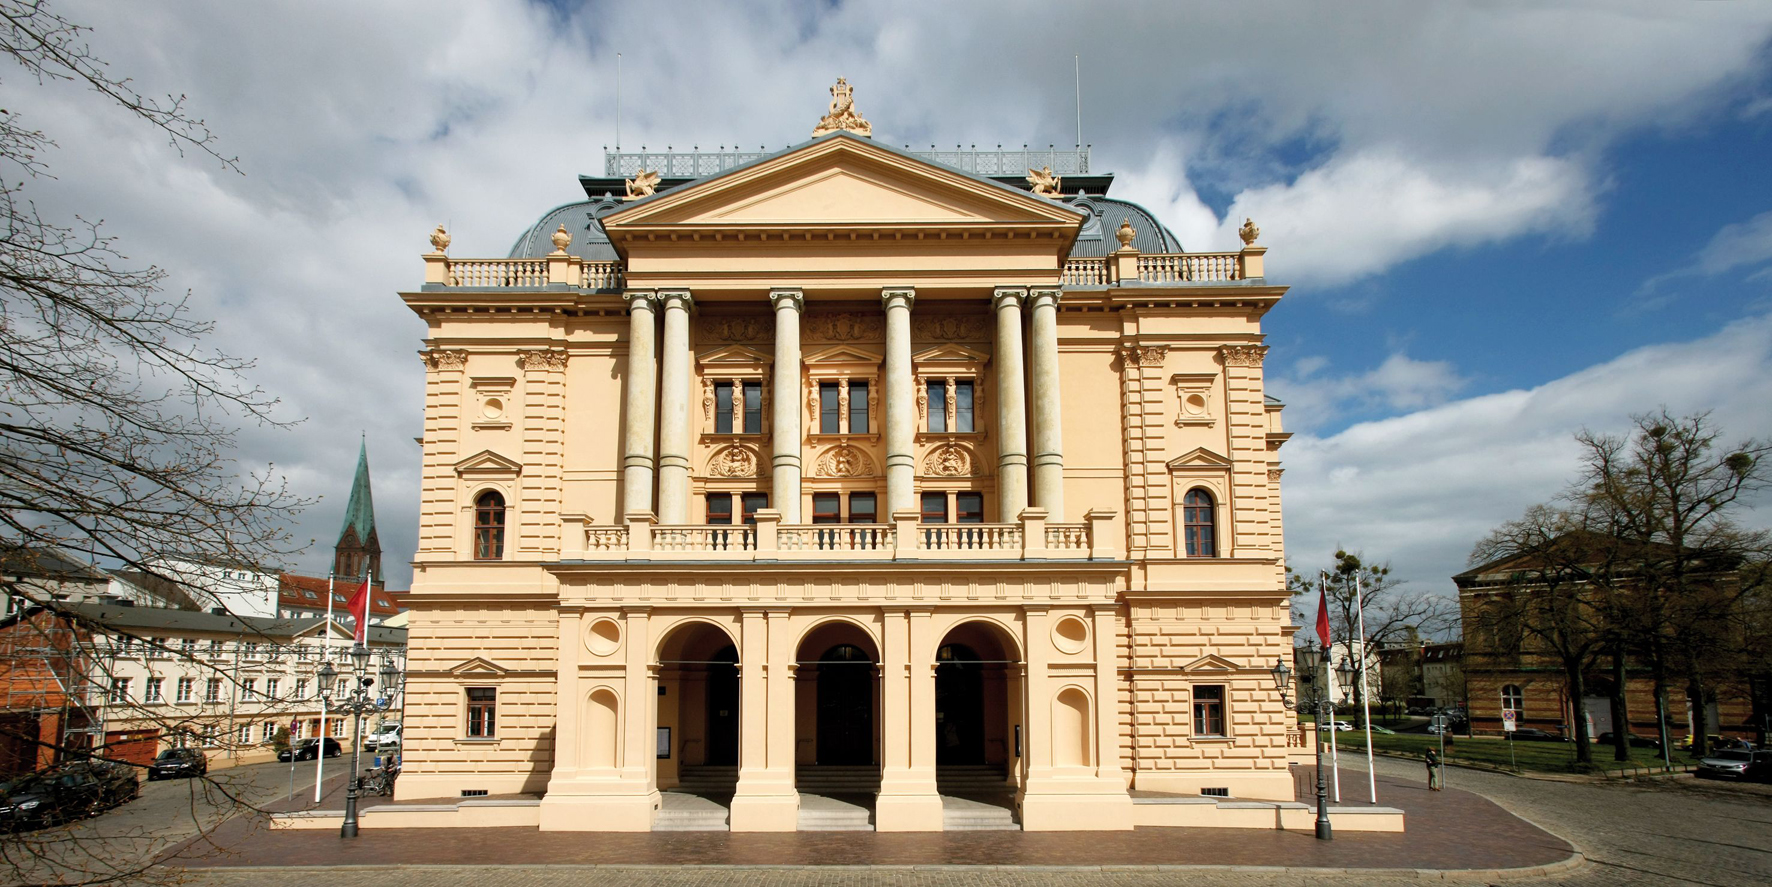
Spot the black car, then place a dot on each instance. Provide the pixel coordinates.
(178, 762)
(118, 780)
(308, 749)
(1634, 740)
(86, 790)
(28, 802)
(1534, 734)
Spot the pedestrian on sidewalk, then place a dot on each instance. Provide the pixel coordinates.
(1433, 771)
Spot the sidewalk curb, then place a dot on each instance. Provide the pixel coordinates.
(1573, 861)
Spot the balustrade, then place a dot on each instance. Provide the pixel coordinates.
(498, 272)
(1067, 537)
(712, 538)
(900, 540)
(837, 537)
(1086, 272)
(970, 537)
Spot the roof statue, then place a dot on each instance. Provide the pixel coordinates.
(1044, 183)
(440, 240)
(843, 116)
(643, 184)
(562, 239)
(1248, 232)
(1125, 233)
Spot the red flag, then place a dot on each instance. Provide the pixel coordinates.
(358, 608)
(1323, 613)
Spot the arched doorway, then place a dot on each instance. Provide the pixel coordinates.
(959, 705)
(698, 702)
(845, 699)
(977, 699)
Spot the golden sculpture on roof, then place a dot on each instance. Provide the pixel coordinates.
(1044, 183)
(843, 116)
(1248, 232)
(643, 184)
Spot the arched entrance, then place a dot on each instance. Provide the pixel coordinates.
(836, 696)
(697, 704)
(977, 691)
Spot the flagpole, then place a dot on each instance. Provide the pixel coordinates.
(1365, 692)
(326, 655)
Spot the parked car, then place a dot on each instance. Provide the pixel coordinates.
(118, 782)
(1534, 734)
(385, 736)
(28, 802)
(308, 749)
(178, 762)
(1736, 763)
(1341, 726)
(1634, 740)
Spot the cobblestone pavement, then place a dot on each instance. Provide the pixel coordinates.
(1653, 832)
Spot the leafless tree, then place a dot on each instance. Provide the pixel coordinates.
(118, 419)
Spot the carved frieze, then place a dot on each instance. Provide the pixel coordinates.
(1242, 355)
(550, 359)
(1144, 355)
(948, 460)
(844, 461)
(951, 328)
(741, 329)
(444, 359)
(843, 326)
(1273, 474)
(734, 460)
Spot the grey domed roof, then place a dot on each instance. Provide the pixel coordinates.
(588, 240)
(1103, 219)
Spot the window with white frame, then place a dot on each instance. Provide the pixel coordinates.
(187, 647)
(186, 688)
(119, 691)
(271, 687)
(268, 731)
(249, 689)
(152, 692)
(301, 689)
(243, 734)
(1513, 699)
(158, 648)
(213, 690)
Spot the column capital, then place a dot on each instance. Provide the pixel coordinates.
(907, 295)
(1012, 294)
(675, 298)
(1040, 298)
(787, 297)
(638, 299)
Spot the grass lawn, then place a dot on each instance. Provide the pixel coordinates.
(1543, 757)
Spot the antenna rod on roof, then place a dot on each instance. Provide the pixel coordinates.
(618, 103)
(1077, 62)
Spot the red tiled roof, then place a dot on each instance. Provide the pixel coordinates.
(309, 593)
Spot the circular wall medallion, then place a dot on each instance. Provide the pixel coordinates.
(492, 408)
(603, 636)
(1070, 634)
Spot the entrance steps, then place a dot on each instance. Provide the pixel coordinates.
(825, 779)
(978, 814)
(972, 779)
(842, 813)
(707, 780)
(684, 812)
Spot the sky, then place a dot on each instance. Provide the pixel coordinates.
(1501, 222)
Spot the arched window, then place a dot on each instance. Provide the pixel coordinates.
(1200, 522)
(489, 526)
(1512, 699)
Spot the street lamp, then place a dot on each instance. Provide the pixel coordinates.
(1314, 698)
(355, 699)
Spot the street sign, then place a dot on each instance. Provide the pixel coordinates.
(1508, 717)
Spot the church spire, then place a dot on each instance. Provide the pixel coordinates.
(358, 548)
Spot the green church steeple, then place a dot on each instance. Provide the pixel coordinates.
(358, 547)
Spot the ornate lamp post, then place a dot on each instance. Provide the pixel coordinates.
(1313, 698)
(356, 699)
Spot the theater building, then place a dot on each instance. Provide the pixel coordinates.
(847, 466)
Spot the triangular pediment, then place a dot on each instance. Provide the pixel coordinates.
(479, 667)
(1210, 662)
(1199, 457)
(739, 355)
(949, 352)
(840, 180)
(486, 461)
(843, 354)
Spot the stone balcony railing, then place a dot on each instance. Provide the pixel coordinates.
(641, 538)
(559, 270)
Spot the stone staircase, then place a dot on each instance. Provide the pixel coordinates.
(976, 797)
(972, 779)
(837, 780)
(684, 812)
(705, 780)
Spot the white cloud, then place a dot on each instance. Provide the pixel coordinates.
(1398, 384)
(363, 125)
(1421, 489)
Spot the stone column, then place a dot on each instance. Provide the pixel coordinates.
(765, 799)
(788, 304)
(901, 402)
(1012, 417)
(1048, 427)
(907, 801)
(676, 367)
(641, 395)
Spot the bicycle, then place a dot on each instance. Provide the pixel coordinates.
(379, 780)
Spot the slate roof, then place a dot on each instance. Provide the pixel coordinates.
(146, 620)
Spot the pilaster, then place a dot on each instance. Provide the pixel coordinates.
(908, 801)
(765, 799)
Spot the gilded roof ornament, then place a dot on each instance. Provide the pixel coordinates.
(843, 116)
(561, 238)
(1248, 232)
(1125, 233)
(1044, 183)
(643, 184)
(440, 240)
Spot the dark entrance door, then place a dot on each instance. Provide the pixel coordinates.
(959, 706)
(845, 706)
(723, 708)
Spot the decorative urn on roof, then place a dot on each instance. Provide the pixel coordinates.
(1248, 232)
(562, 238)
(440, 240)
(1125, 233)
(843, 116)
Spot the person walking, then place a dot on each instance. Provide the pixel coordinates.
(1433, 771)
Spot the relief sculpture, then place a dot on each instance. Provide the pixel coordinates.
(844, 461)
(843, 326)
(733, 461)
(948, 460)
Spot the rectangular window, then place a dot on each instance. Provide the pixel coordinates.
(215, 649)
(829, 408)
(271, 685)
(119, 691)
(249, 650)
(482, 712)
(243, 735)
(338, 726)
(153, 692)
(719, 508)
(268, 731)
(159, 648)
(963, 406)
(188, 647)
(858, 408)
(722, 407)
(827, 508)
(935, 508)
(249, 689)
(753, 407)
(938, 406)
(969, 508)
(186, 687)
(862, 509)
(212, 690)
(1209, 711)
(750, 502)
(209, 735)
(301, 689)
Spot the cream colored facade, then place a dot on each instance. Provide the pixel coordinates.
(848, 296)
